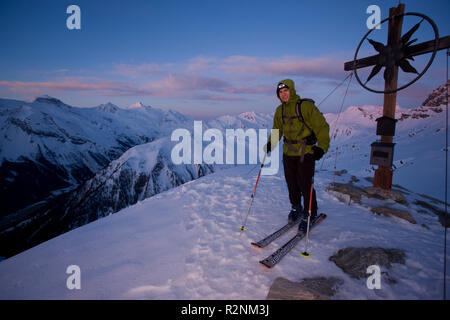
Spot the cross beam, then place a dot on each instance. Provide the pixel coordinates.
(416, 50)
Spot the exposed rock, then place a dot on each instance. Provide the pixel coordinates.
(353, 192)
(440, 213)
(320, 288)
(434, 200)
(407, 191)
(354, 261)
(356, 192)
(394, 212)
(395, 195)
(437, 97)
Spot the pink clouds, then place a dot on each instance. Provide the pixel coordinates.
(195, 86)
(100, 87)
(256, 89)
(172, 86)
(182, 82)
(190, 86)
(63, 85)
(219, 98)
(318, 67)
(233, 78)
(201, 63)
(324, 67)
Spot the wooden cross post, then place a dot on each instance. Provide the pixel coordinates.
(383, 175)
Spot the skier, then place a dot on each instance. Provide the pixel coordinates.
(306, 140)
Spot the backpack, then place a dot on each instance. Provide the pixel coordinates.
(309, 140)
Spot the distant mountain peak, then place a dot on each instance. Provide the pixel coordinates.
(45, 96)
(108, 107)
(437, 97)
(250, 115)
(48, 99)
(137, 105)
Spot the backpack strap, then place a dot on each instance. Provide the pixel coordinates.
(309, 140)
(290, 118)
(298, 110)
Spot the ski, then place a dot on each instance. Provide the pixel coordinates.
(275, 257)
(267, 240)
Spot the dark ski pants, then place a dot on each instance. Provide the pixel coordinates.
(298, 177)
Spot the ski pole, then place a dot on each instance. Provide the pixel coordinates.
(253, 194)
(305, 253)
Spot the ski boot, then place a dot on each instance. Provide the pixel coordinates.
(303, 226)
(295, 213)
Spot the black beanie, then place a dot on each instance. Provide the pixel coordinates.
(280, 86)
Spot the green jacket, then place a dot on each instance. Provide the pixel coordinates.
(290, 128)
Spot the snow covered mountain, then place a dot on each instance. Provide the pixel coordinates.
(438, 97)
(48, 145)
(141, 172)
(146, 170)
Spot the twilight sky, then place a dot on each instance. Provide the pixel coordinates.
(202, 58)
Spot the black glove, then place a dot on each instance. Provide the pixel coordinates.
(268, 147)
(318, 153)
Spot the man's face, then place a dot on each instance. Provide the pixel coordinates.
(284, 94)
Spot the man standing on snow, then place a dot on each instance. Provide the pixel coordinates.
(306, 139)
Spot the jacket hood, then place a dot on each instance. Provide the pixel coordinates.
(290, 83)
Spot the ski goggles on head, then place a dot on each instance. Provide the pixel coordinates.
(281, 86)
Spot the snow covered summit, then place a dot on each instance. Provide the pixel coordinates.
(438, 97)
(136, 105)
(108, 107)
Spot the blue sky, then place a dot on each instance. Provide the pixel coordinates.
(202, 58)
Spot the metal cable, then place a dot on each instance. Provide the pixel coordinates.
(446, 180)
(339, 114)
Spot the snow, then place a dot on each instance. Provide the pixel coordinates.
(419, 160)
(137, 105)
(185, 243)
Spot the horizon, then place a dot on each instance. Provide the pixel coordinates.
(134, 106)
(204, 65)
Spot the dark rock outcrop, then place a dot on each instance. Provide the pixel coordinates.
(319, 288)
(355, 261)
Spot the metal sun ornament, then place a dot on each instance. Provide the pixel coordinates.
(396, 54)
